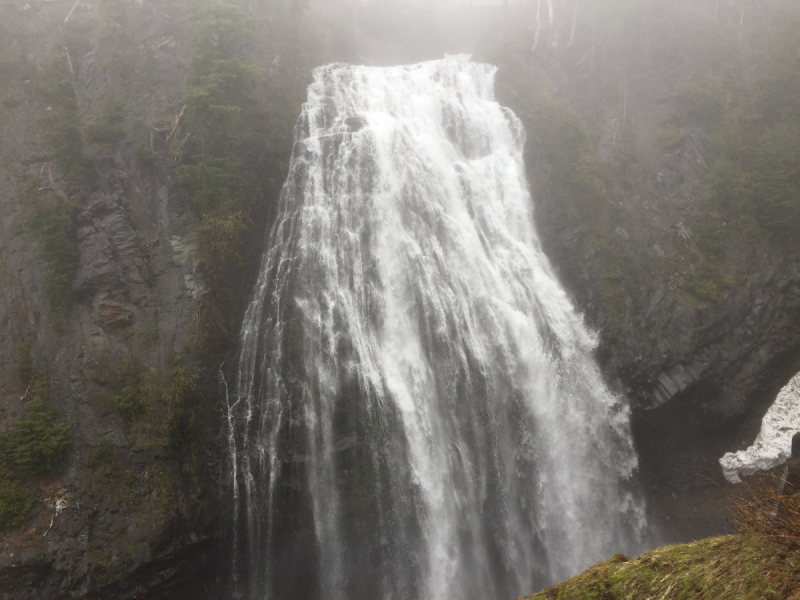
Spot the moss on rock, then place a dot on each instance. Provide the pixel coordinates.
(737, 566)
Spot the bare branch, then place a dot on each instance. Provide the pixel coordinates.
(71, 10)
(176, 122)
(590, 52)
(574, 22)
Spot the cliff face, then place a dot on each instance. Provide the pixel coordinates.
(658, 339)
(116, 306)
(628, 237)
(698, 317)
(121, 505)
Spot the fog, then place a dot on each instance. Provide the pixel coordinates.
(289, 285)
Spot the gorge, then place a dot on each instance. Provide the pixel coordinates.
(641, 154)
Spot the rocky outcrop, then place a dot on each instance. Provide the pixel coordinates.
(133, 516)
(114, 269)
(98, 523)
(123, 514)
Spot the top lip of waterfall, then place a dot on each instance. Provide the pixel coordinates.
(325, 75)
(460, 57)
(448, 58)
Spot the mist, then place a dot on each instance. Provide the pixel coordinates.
(397, 299)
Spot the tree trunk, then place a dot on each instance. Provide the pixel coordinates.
(574, 22)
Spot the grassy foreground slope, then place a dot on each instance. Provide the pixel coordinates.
(746, 567)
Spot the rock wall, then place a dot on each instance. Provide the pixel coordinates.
(666, 343)
(700, 375)
(146, 517)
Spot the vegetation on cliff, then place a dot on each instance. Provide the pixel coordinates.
(33, 445)
(755, 130)
(154, 403)
(608, 144)
(221, 182)
(61, 122)
(101, 115)
(51, 219)
(751, 189)
(16, 499)
(50, 215)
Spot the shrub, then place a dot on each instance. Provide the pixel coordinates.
(130, 402)
(146, 338)
(708, 281)
(107, 127)
(36, 444)
(103, 461)
(568, 145)
(670, 137)
(705, 99)
(210, 178)
(704, 288)
(154, 404)
(61, 121)
(76, 36)
(749, 228)
(754, 125)
(170, 409)
(725, 183)
(709, 234)
(143, 154)
(776, 178)
(54, 226)
(612, 273)
(63, 137)
(219, 76)
(23, 361)
(55, 85)
(220, 239)
(764, 512)
(16, 500)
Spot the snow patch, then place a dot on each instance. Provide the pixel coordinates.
(773, 444)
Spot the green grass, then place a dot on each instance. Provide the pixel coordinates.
(745, 567)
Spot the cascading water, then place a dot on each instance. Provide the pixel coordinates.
(417, 412)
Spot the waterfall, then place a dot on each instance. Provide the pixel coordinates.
(417, 412)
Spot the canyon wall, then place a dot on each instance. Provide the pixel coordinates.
(697, 311)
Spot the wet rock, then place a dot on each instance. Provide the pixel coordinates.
(355, 123)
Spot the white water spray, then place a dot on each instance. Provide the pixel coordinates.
(418, 413)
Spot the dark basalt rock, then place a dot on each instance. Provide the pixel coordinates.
(356, 123)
